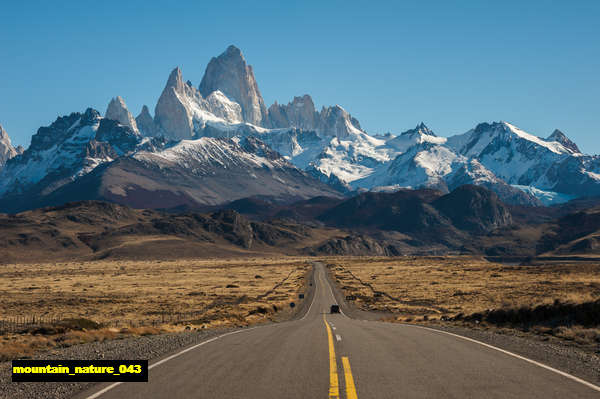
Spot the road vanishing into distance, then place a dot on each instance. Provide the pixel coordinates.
(322, 355)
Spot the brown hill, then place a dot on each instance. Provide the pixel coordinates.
(93, 229)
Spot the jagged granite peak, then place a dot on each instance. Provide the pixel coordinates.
(230, 74)
(337, 122)
(560, 137)
(171, 114)
(299, 113)
(175, 80)
(3, 134)
(117, 111)
(7, 151)
(183, 113)
(145, 123)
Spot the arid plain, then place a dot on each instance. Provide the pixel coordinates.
(61, 304)
(559, 299)
(65, 303)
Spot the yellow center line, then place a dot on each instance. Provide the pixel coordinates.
(334, 390)
(350, 388)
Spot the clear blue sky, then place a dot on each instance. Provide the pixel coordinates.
(449, 64)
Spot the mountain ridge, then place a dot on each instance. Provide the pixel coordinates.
(324, 147)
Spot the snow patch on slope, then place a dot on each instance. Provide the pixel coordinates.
(194, 154)
(546, 197)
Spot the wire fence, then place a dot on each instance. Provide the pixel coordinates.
(23, 323)
(31, 322)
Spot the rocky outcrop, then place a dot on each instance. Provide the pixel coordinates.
(117, 111)
(353, 245)
(230, 74)
(145, 123)
(7, 151)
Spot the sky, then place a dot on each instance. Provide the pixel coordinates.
(391, 64)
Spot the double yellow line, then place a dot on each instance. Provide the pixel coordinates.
(334, 386)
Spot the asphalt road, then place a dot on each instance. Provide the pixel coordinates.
(322, 355)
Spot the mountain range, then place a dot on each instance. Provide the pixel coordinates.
(218, 142)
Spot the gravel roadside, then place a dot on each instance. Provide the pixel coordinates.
(146, 347)
(555, 353)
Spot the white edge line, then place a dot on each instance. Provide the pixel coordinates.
(542, 365)
(166, 359)
(313, 299)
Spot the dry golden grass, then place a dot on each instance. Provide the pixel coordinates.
(164, 294)
(447, 286)
(429, 290)
(14, 346)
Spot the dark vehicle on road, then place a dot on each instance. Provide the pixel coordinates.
(335, 309)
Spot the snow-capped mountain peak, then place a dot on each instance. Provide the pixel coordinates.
(560, 137)
(553, 146)
(424, 130)
(224, 123)
(420, 134)
(230, 74)
(476, 141)
(72, 146)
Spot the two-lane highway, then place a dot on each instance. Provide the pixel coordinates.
(324, 355)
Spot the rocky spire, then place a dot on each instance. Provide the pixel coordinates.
(171, 114)
(559, 136)
(7, 151)
(230, 74)
(299, 113)
(176, 81)
(145, 123)
(117, 111)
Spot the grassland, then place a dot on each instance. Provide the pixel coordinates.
(474, 291)
(129, 297)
